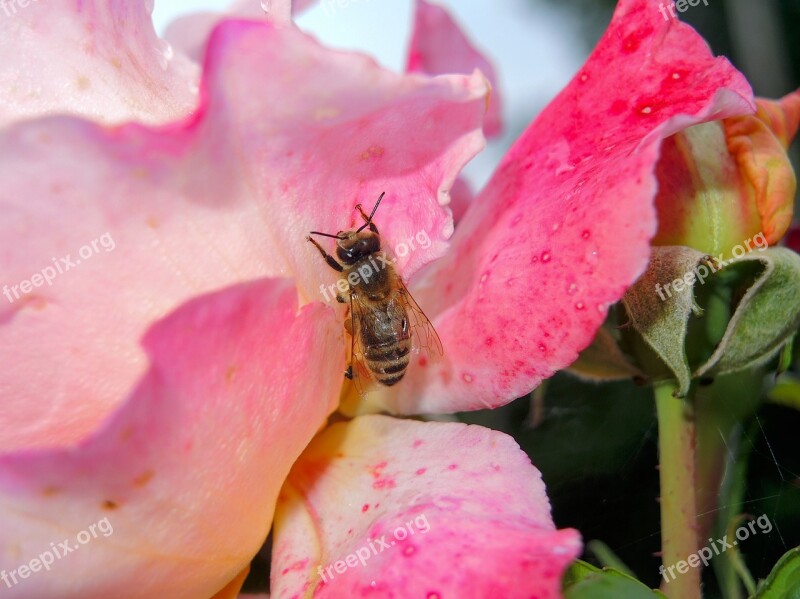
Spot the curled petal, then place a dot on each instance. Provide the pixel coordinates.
(340, 131)
(769, 179)
(180, 484)
(439, 46)
(95, 58)
(564, 225)
(385, 508)
(190, 33)
(782, 116)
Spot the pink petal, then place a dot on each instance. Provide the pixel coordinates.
(190, 33)
(473, 513)
(188, 471)
(563, 227)
(290, 137)
(95, 58)
(439, 46)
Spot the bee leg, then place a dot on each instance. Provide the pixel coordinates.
(328, 258)
(340, 299)
(372, 226)
(350, 326)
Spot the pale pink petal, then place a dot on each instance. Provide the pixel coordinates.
(190, 33)
(289, 138)
(564, 225)
(188, 471)
(471, 510)
(95, 58)
(461, 197)
(439, 46)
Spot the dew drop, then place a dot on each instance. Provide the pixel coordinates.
(467, 377)
(542, 347)
(676, 76)
(572, 289)
(584, 78)
(585, 234)
(580, 306)
(647, 110)
(545, 256)
(266, 5)
(484, 276)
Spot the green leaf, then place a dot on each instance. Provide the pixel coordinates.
(765, 319)
(584, 581)
(784, 580)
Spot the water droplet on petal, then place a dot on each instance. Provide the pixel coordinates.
(572, 289)
(580, 306)
(585, 234)
(266, 5)
(545, 256)
(467, 377)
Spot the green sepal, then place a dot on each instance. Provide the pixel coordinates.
(663, 323)
(766, 317)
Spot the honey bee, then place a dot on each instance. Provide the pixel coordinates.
(384, 322)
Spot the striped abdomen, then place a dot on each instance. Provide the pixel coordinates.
(388, 361)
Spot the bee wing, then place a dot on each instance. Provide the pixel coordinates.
(359, 315)
(425, 338)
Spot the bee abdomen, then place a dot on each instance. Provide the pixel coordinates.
(388, 362)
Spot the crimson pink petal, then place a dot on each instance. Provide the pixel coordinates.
(187, 472)
(440, 46)
(432, 509)
(97, 58)
(564, 225)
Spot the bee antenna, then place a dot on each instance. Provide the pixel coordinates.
(369, 220)
(326, 235)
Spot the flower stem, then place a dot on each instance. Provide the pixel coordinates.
(676, 443)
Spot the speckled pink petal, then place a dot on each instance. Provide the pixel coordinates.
(97, 58)
(429, 510)
(180, 484)
(127, 223)
(439, 46)
(563, 227)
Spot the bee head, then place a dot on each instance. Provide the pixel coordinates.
(355, 245)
